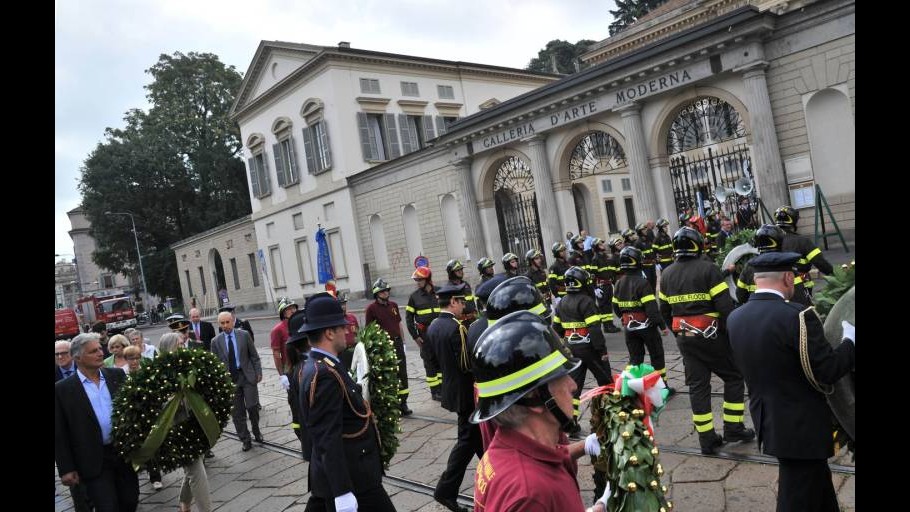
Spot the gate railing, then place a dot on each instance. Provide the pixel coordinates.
(690, 175)
(519, 226)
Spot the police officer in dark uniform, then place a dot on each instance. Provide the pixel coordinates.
(421, 310)
(556, 277)
(663, 244)
(455, 270)
(786, 217)
(578, 322)
(537, 272)
(790, 413)
(239, 323)
(635, 304)
(604, 272)
(485, 269)
(694, 290)
(768, 238)
(510, 264)
(447, 337)
(345, 462)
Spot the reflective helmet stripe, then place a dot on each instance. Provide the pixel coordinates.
(522, 377)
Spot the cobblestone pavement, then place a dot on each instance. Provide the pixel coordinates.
(265, 479)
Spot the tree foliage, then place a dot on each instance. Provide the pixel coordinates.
(565, 53)
(628, 11)
(176, 168)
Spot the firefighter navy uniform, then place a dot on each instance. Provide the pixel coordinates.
(634, 302)
(421, 310)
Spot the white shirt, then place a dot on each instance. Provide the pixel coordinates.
(769, 290)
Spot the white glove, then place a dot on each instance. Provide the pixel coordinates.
(346, 503)
(592, 445)
(598, 293)
(849, 331)
(285, 384)
(603, 499)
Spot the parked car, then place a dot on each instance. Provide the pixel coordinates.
(142, 318)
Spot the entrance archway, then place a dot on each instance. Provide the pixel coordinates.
(218, 279)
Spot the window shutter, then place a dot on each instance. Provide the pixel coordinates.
(254, 176)
(392, 136)
(428, 132)
(293, 176)
(264, 182)
(310, 149)
(279, 164)
(365, 144)
(440, 125)
(325, 144)
(405, 135)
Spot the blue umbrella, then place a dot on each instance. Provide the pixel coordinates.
(323, 258)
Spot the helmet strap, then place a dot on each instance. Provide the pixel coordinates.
(547, 400)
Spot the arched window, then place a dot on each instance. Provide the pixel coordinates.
(412, 231)
(451, 223)
(377, 235)
(704, 122)
(596, 153)
(516, 207)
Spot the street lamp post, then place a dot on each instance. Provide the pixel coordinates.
(145, 290)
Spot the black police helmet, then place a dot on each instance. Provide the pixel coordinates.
(786, 217)
(576, 278)
(516, 294)
(630, 258)
(687, 242)
(768, 238)
(513, 357)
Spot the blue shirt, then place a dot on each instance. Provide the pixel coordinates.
(233, 339)
(589, 241)
(100, 398)
(66, 372)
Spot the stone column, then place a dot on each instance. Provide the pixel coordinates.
(472, 226)
(660, 172)
(543, 187)
(637, 155)
(770, 180)
(565, 204)
(491, 228)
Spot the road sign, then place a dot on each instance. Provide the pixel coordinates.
(421, 261)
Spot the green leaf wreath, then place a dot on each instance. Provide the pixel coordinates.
(172, 410)
(836, 284)
(743, 236)
(383, 386)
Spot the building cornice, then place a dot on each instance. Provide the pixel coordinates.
(215, 230)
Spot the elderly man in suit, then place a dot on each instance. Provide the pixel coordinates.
(236, 350)
(791, 415)
(200, 330)
(63, 360)
(83, 447)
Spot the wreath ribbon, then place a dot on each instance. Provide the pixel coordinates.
(641, 381)
(191, 399)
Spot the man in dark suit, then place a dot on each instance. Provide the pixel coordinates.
(200, 330)
(791, 416)
(83, 448)
(343, 449)
(448, 340)
(236, 350)
(63, 360)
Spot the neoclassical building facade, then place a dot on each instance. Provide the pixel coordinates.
(721, 103)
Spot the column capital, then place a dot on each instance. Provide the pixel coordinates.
(752, 69)
(536, 140)
(632, 109)
(659, 161)
(463, 162)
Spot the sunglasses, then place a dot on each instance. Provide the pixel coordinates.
(61, 354)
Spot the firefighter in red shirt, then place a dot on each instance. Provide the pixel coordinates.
(385, 313)
(522, 370)
(279, 336)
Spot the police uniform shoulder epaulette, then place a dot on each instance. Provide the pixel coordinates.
(795, 305)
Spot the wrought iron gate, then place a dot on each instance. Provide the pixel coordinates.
(519, 225)
(717, 175)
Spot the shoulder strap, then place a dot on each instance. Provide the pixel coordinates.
(344, 390)
(804, 353)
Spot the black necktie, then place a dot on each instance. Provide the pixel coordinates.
(232, 356)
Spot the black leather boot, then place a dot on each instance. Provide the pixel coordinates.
(710, 442)
(405, 410)
(737, 432)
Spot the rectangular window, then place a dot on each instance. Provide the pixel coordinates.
(236, 274)
(378, 137)
(630, 212)
(285, 162)
(269, 229)
(189, 282)
(612, 225)
(277, 266)
(328, 211)
(626, 184)
(415, 132)
(202, 279)
(606, 186)
(254, 269)
(259, 175)
(369, 85)
(298, 220)
(107, 281)
(409, 89)
(336, 247)
(446, 92)
(317, 149)
(304, 262)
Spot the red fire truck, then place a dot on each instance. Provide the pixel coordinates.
(114, 308)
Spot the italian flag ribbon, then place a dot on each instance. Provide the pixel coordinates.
(643, 381)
